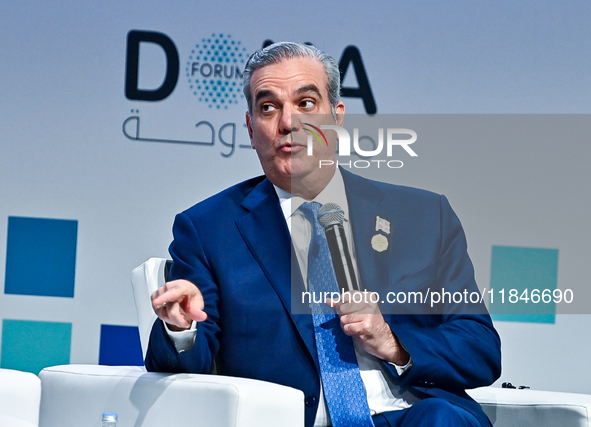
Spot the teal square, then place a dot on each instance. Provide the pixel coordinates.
(41, 257)
(519, 279)
(31, 346)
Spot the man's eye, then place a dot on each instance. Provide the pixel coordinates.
(265, 108)
(308, 103)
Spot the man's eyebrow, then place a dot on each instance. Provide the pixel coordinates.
(309, 88)
(263, 94)
(302, 89)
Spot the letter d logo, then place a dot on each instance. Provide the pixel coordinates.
(134, 38)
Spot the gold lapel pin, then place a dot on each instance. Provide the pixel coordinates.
(379, 243)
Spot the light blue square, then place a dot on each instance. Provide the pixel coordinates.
(41, 257)
(31, 346)
(520, 276)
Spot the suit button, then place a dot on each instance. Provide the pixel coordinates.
(310, 401)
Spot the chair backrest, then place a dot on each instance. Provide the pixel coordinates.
(146, 279)
(20, 394)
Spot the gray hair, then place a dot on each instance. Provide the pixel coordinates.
(281, 51)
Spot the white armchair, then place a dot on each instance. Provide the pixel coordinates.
(520, 408)
(20, 394)
(78, 395)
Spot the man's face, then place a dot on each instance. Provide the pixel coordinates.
(291, 87)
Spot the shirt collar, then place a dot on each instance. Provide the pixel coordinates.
(334, 192)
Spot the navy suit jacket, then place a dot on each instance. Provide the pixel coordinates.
(236, 247)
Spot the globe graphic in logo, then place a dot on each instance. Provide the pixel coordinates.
(214, 71)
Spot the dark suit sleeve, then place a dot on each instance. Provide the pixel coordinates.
(189, 263)
(458, 348)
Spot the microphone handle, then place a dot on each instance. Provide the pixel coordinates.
(341, 258)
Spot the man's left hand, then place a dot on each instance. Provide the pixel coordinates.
(364, 320)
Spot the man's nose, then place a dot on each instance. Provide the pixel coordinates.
(288, 122)
(285, 120)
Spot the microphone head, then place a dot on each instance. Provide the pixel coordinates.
(330, 214)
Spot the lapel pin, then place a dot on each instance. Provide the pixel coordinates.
(379, 243)
(383, 225)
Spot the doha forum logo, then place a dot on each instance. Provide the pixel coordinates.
(214, 70)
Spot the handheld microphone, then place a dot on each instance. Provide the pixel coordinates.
(331, 218)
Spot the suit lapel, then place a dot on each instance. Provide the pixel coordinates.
(265, 232)
(364, 199)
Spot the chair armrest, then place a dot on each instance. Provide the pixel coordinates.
(79, 394)
(20, 393)
(519, 408)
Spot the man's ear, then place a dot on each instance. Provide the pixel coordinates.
(249, 127)
(340, 112)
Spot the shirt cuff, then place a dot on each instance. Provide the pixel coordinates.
(402, 369)
(183, 340)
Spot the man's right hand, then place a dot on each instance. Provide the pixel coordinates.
(178, 303)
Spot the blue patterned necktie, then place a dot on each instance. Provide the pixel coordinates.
(343, 388)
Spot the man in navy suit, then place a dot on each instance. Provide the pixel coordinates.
(239, 255)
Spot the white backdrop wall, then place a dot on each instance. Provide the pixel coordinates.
(64, 155)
